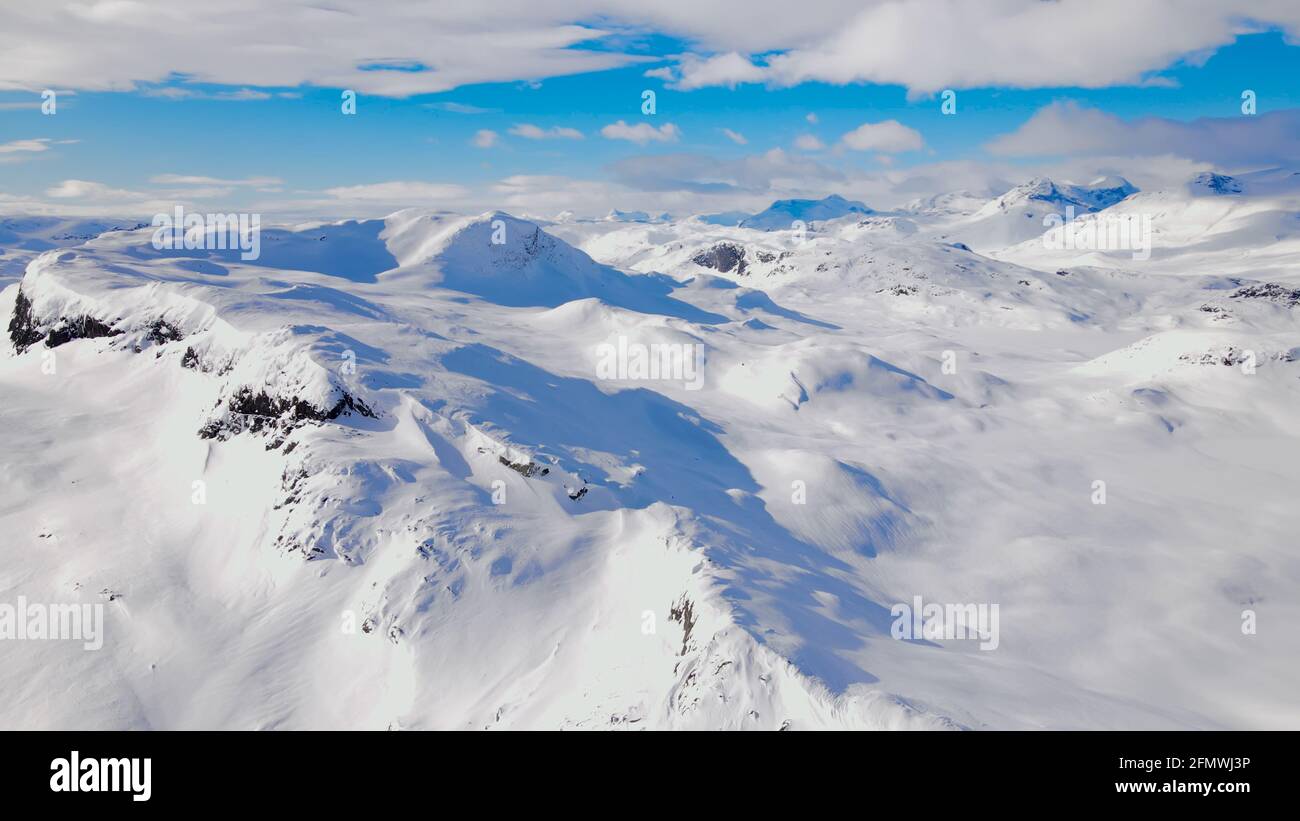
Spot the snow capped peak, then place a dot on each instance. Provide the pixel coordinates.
(1100, 193)
(1110, 181)
(1037, 188)
(1019, 214)
(493, 237)
(1208, 182)
(488, 245)
(782, 213)
(1104, 192)
(954, 202)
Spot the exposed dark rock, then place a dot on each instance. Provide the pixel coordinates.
(23, 331)
(1271, 291)
(258, 412)
(536, 243)
(723, 257)
(26, 329)
(161, 332)
(1230, 356)
(683, 612)
(525, 469)
(899, 290)
(85, 327)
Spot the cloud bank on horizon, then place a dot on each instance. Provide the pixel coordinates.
(541, 106)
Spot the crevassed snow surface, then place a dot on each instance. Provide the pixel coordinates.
(373, 479)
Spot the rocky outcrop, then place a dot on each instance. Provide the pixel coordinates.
(26, 328)
(724, 257)
(259, 412)
(23, 330)
(1270, 291)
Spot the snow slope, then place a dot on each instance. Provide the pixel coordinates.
(375, 479)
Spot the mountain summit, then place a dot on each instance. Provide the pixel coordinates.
(782, 213)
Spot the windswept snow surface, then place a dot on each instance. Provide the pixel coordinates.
(377, 478)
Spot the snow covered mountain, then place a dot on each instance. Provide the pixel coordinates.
(1246, 225)
(782, 214)
(1020, 213)
(382, 476)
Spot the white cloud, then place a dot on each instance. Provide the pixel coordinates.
(398, 192)
(462, 108)
(889, 136)
(930, 45)
(87, 190)
(808, 142)
(33, 146)
(754, 174)
(641, 133)
(189, 179)
(392, 48)
(182, 93)
(735, 136)
(531, 132)
(74, 197)
(728, 70)
(404, 48)
(485, 138)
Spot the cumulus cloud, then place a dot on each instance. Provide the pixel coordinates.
(405, 48)
(889, 136)
(485, 138)
(1066, 128)
(641, 133)
(1018, 43)
(394, 49)
(735, 136)
(532, 132)
(728, 70)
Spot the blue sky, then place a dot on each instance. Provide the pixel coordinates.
(282, 146)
